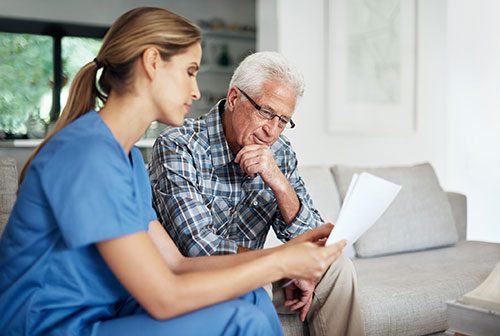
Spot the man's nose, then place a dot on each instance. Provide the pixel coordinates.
(272, 127)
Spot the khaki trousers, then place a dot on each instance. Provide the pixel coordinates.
(335, 308)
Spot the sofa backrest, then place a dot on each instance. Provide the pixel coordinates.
(322, 186)
(324, 192)
(318, 179)
(458, 203)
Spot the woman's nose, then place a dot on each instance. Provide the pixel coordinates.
(196, 91)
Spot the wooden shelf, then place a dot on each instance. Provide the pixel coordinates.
(227, 34)
(32, 143)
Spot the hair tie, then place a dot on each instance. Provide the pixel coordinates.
(97, 63)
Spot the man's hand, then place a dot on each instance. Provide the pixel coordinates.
(242, 249)
(258, 159)
(299, 295)
(318, 235)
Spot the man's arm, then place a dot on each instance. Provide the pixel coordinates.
(179, 203)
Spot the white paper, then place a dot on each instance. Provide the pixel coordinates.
(367, 198)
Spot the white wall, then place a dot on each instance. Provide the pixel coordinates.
(300, 28)
(474, 109)
(104, 12)
(458, 98)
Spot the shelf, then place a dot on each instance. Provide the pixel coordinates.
(32, 143)
(227, 34)
(217, 69)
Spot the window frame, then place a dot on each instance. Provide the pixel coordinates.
(56, 30)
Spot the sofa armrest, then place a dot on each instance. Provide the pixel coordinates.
(458, 204)
(8, 189)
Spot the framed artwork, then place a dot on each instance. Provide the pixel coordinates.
(371, 66)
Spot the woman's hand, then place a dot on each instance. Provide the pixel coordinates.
(307, 260)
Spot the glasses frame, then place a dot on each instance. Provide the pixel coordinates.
(266, 114)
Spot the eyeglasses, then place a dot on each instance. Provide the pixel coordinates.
(284, 122)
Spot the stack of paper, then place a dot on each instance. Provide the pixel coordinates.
(366, 200)
(487, 294)
(464, 319)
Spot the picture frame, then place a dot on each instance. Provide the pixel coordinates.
(371, 67)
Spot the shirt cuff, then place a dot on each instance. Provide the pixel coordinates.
(303, 222)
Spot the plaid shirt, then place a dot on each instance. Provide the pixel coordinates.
(204, 200)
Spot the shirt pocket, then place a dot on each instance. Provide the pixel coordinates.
(260, 209)
(221, 212)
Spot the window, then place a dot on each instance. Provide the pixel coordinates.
(38, 61)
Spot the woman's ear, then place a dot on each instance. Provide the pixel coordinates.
(150, 60)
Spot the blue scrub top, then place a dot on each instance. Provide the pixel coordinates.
(80, 189)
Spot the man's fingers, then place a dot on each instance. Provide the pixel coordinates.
(322, 232)
(305, 310)
(247, 163)
(247, 155)
(298, 305)
(321, 242)
(289, 303)
(247, 149)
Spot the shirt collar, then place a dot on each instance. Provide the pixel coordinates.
(219, 148)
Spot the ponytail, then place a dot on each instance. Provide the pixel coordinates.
(123, 45)
(81, 99)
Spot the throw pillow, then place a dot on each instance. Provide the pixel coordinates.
(419, 218)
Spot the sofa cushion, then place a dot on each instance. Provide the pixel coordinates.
(8, 188)
(322, 189)
(405, 294)
(419, 218)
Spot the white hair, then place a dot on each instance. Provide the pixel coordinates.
(262, 66)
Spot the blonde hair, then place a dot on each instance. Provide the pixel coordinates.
(123, 44)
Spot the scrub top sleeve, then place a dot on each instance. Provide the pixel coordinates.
(92, 193)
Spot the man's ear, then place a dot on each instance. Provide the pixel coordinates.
(150, 60)
(232, 95)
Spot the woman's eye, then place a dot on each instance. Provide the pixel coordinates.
(192, 72)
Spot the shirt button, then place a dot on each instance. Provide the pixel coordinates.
(255, 203)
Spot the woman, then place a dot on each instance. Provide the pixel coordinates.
(83, 253)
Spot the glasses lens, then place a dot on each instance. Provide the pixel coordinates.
(266, 114)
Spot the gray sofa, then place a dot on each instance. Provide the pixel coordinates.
(414, 259)
(403, 293)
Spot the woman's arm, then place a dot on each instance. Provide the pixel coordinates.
(141, 268)
(180, 264)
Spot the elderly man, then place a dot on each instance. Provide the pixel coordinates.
(221, 181)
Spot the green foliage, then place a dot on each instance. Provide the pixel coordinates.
(26, 75)
(25, 70)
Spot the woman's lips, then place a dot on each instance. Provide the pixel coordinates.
(187, 107)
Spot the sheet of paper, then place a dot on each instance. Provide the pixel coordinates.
(367, 198)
